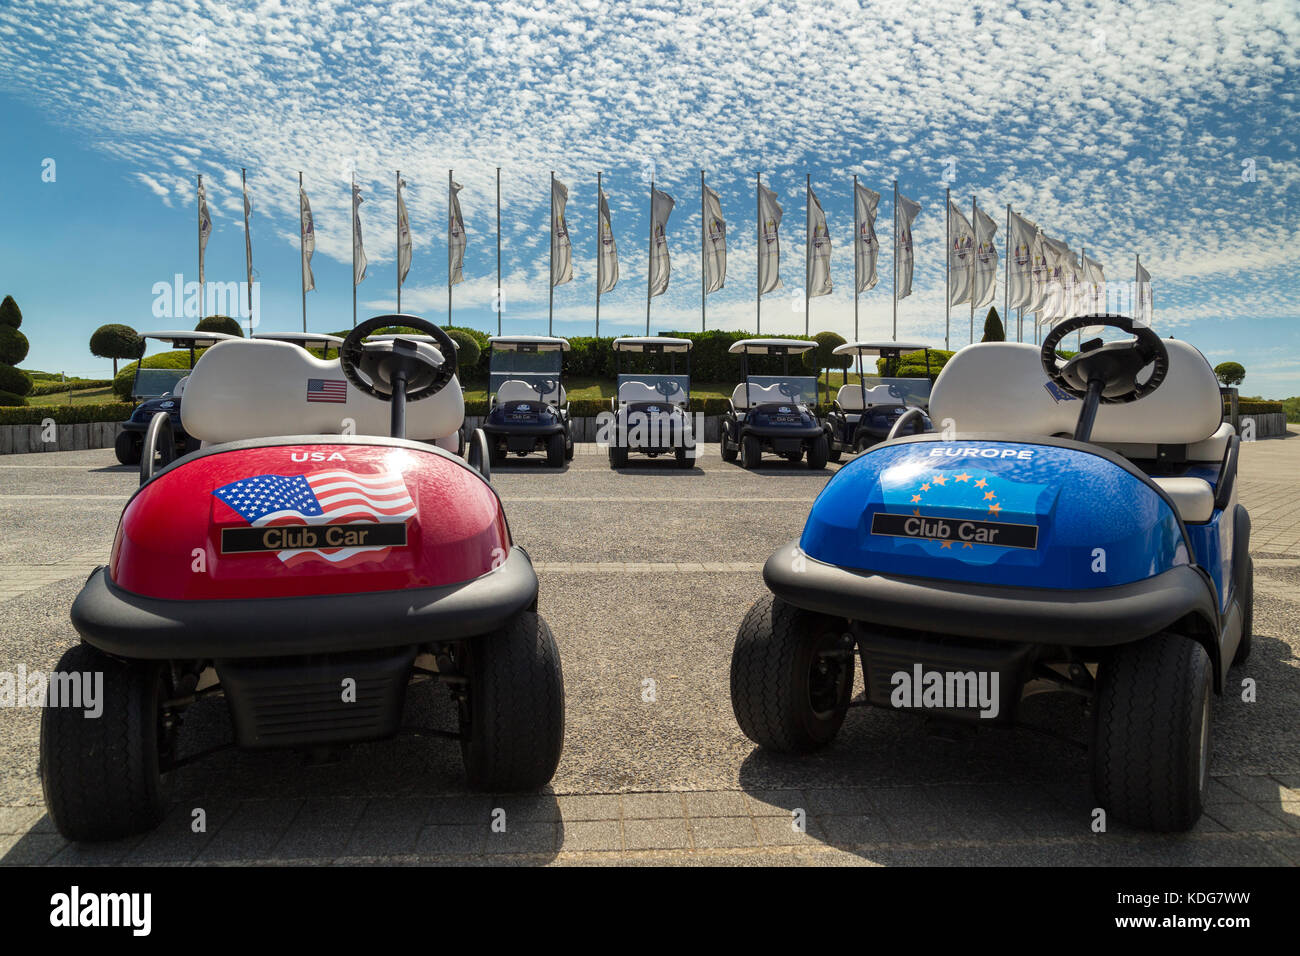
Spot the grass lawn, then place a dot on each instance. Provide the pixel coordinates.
(89, 396)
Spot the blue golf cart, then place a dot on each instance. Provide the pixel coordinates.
(776, 414)
(530, 408)
(863, 412)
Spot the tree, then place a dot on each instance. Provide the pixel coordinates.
(115, 341)
(993, 331)
(13, 345)
(827, 343)
(468, 353)
(1229, 373)
(14, 381)
(10, 314)
(219, 323)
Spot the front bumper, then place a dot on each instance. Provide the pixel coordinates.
(127, 625)
(1096, 617)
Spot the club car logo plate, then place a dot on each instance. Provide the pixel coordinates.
(959, 530)
(351, 534)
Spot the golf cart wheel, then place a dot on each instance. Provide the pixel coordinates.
(128, 447)
(1151, 735)
(555, 450)
(512, 720)
(1247, 615)
(834, 454)
(725, 448)
(791, 677)
(568, 446)
(496, 455)
(102, 775)
(682, 458)
(818, 452)
(750, 452)
(617, 456)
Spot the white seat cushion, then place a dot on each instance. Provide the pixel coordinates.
(516, 390)
(850, 396)
(1001, 387)
(634, 391)
(1193, 497)
(758, 395)
(260, 389)
(178, 390)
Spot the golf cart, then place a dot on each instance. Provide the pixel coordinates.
(308, 340)
(773, 413)
(159, 390)
(1080, 532)
(863, 413)
(308, 577)
(530, 409)
(652, 411)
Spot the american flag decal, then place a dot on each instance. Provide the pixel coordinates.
(327, 390)
(323, 497)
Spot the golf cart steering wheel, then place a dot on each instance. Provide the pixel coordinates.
(789, 390)
(543, 387)
(1115, 365)
(896, 391)
(667, 388)
(372, 370)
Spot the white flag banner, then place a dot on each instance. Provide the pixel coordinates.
(205, 227)
(1144, 296)
(608, 262)
(403, 237)
(661, 207)
(1094, 278)
(455, 237)
(984, 277)
(769, 240)
(308, 241)
(866, 247)
(819, 239)
(1074, 287)
(562, 256)
(961, 255)
(905, 215)
(1054, 303)
(1040, 274)
(1021, 241)
(715, 243)
(248, 236)
(358, 248)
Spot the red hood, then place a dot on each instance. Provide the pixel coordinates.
(293, 520)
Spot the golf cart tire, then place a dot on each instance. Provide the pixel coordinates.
(834, 454)
(1147, 733)
(617, 456)
(770, 666)
(555, 450)
(515, 729)
(682, 457)
(818, 451)
(1247, 615)
(728, 451)
(128, 447)
(102, 775)
(479, 453)
(751, 453)
(568, 446)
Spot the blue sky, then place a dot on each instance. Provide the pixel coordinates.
(1123, 127)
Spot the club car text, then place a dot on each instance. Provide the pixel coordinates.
(999, 533)
(364, 534)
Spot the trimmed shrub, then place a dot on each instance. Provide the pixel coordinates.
(9, 400)
(468, 354)
(46, 387)
(993, 331)
(216, 323)
(14, 380)
(1230, 373)
(66, 414)
(1257, 407)
(178, 359)
(10, 314)
(115, 341)
(13, 345)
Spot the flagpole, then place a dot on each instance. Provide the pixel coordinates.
(650, 258)
(1006, 276)
(1137, 287)
(704, 241)
(971, 284)
(807, 248)
(550, 308)
(758, 258)
(947, 260)
(600, 274)
(302, 254)
(399, 247)
(199, 219)
(857, 237)
(449, 227)
(248, 245)
(945, 291)
(499, 297)
(354, 248)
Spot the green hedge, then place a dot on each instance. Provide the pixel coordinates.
(10, 400)
(66, 414)
(1257, 408)
(46, 387)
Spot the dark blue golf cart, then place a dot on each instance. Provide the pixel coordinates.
(864, 412)
(773, 413)
(530, 409)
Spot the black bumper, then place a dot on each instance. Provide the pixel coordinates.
(521, 430)
(1086, 618)
(789, 432)
(128, 625)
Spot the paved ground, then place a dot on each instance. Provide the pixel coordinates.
(645, 575)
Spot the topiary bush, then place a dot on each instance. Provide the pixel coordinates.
(115, 341)
(124, 379)
(14, 380)
(10, 400)
(467, 355)
(218, 323)
(993, 331)
(13, 345)
(66, 414)
(1230, 373)
(10, 314)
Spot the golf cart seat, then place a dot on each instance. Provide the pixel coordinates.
(758, 395)
(515, 390)
(261, 389)
(849, 397)
(634, 391)
(179, 388)
(999, 387)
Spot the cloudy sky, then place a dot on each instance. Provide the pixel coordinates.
(1165, 129)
